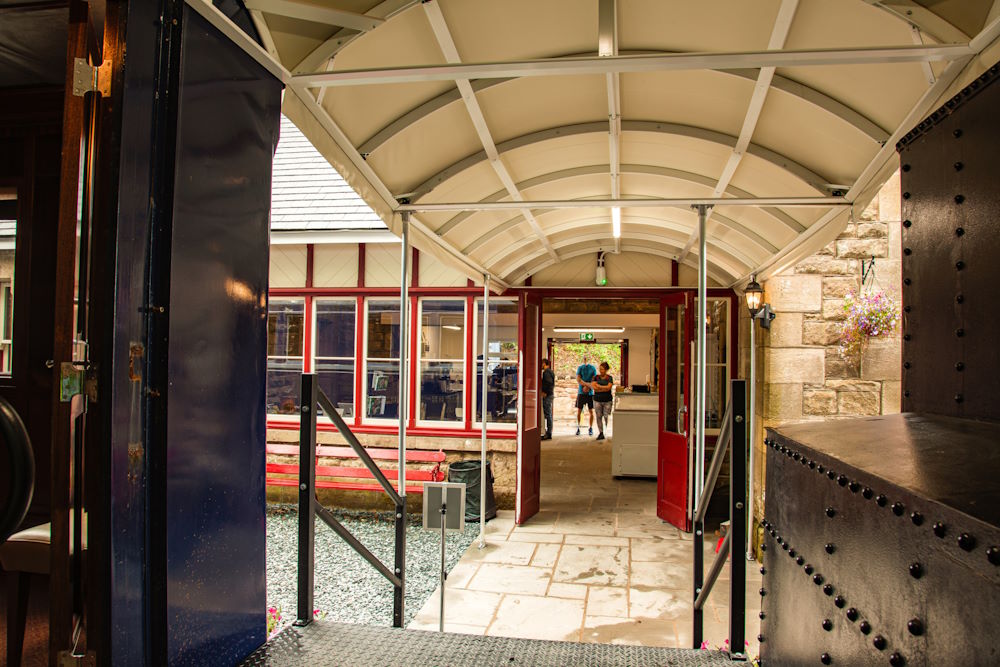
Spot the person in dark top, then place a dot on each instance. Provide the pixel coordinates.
(548, 396)
(585, 394)
(603, 385)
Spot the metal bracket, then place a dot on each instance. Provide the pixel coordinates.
(88, 79)
(867, 270)
(765, 315)
(71, 381)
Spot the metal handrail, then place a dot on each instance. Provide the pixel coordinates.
(732, 438)
(21, 463)
(310, 507)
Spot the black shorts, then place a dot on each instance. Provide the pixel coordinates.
(584, 400)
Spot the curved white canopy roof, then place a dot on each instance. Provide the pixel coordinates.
(509, 129)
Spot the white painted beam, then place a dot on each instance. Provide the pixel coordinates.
(316, 13)
(791, 202)
(878, 55)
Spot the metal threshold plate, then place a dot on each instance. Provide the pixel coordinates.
(323, 643)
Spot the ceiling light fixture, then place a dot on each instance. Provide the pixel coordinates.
(616, 222)
(588, 329)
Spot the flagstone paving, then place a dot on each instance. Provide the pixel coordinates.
(594, 565)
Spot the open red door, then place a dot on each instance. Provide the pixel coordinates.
(529, 449)
(672, 479)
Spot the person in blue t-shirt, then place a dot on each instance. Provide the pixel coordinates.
(585, 394)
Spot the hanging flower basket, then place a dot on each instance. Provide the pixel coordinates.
(869, 315)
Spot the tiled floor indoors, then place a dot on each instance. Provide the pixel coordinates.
(595, 565)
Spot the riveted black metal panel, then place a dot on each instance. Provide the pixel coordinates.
(951, 246)
(888, 522)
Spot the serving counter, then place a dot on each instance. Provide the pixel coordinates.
(633, 445)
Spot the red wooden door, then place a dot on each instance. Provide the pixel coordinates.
(674, 383)
(529, 450)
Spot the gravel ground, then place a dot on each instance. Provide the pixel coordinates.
(347, 588)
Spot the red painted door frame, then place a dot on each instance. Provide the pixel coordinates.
(672, 478)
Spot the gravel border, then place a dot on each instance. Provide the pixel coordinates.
(347, 588)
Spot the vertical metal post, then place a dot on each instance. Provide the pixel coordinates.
(699, 418)
(444, 574)
(484, 395)
(307, 498)
(737, 518)
(399, 592)
(751, 393)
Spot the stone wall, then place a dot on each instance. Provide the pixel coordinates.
(500, 453)
(801, 374)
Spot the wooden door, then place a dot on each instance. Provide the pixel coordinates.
(672, 464)
(529, 450)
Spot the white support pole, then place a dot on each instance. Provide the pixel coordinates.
(699, 464)
(404, 345)
(750, 429)
(483, 396)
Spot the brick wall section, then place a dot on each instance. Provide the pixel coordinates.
(801, 375)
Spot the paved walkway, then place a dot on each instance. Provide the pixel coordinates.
(595, 565)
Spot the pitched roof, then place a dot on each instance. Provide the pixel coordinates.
(308, 194)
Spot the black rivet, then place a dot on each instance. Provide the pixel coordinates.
(906, 336)
(959, 199)
(881, 500)
(831, 474)
(827, 624)
(817, 579)
(763, 570)
(785, 546)
(906, 195)
(959, 398)
(940, 529)
(827, 589)
(907, 309)
(825, 659)
(897, 660)
(868, 493)
(760, 638)
(960, 231)
(916, 570)
(897, 509)
(959, 366)
(907, 251)
(842, 480)
(879, 642)
(865, 627)
(763, 592)
(966, 542)
(906, 167)
(852, 614)
(959, 298)
(830, 548)
(906, 281)
(839, 601)
(957, 133)
(796, 456)
(800, 560)
(915, 626)
(907, 223)
(812, 465)
(830, 512)
(906, 393)
(993, 555)
(959, 332)
(958, 166)
(906, 364)
(760, 615)
(820, 469)
(808, 568)
(917, 518)
(959, 265)
(854, 487)
(763, 547)
(791, 553)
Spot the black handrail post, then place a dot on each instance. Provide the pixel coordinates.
(399, 590)
(738, 521)
(307, 498)
(699, 575)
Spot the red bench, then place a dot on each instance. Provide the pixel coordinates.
(336, 474)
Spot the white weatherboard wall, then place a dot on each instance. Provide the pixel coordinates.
(435, 273)
(382, 265)
(288, 266)
(335, 265)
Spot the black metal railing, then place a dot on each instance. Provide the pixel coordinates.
(733, 435)
(309, 506)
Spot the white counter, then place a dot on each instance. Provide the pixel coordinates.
(634, 444)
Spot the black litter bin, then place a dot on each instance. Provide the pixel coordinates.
(469, 473)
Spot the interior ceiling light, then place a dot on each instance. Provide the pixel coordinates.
(616, 222)
(451, 327)
(588, 329)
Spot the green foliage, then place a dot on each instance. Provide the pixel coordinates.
(567, 357)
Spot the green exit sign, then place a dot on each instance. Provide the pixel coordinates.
(588, 337)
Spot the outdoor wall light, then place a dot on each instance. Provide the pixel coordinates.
(754, 295)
